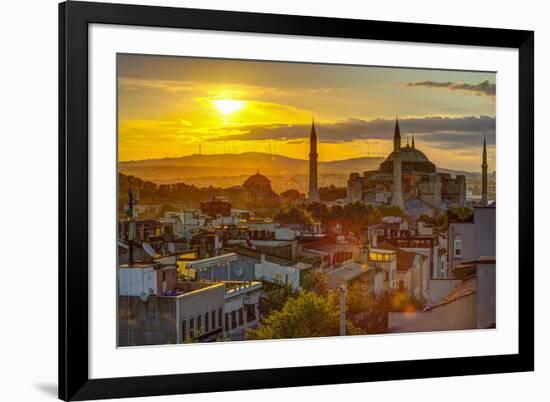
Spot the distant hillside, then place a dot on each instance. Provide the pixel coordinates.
(227, 170)
(245, 164)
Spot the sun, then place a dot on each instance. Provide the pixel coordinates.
(228, 106)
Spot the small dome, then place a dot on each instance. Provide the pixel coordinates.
(257, 181)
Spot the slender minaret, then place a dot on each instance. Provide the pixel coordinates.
(484, 175)
(313, 195)
(397, 195)
(413, 141)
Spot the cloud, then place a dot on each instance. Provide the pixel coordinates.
(128, 84)
(439, 131)
(216, 90)
(482, 88)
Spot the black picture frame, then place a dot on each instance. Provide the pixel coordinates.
(74, 18)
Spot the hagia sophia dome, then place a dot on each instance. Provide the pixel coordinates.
(258, 182)
(412, 160)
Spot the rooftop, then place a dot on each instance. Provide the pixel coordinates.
(237, 288)
(346, 273)
(249, 252)
(465, 288)
(187, 288)
(405, 259)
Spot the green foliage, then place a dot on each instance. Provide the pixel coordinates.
(151, 193)
(276, 297)
(438, 220)
(315, 282)
(461, 212)
(403, 301)
(390, 210)
(353, 217)
(166, 208)
(332, 193)
(366, 311)
(291, 195)
(294, 215)
(304, 316)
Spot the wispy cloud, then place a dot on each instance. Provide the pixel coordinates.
(483, 88)
(218, 90)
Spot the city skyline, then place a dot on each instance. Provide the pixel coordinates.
(178, 106)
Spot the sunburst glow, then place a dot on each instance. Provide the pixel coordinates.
(228, 106)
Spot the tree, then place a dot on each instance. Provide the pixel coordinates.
(318, 211)
(294, 215)
(438, 220)
(460, 212)
(390, 210)
(365, 310)
(291, 195)
(315, 282)
(275, 297)
(304, 316)
(332, 193)
(166, 208)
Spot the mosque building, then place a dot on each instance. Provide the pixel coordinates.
(408, 179)
(259, 192)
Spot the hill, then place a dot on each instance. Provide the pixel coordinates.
(244, 164)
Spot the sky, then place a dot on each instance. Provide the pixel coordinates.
(177, 106)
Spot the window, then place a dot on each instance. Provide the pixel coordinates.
(192, 328)
(183, 331)
(241, 316)
(250, 312)
(206, 322)
(458, 248)
(227, 321)
(233, 319)
(214, 319)
(220, 317)
(199, 324)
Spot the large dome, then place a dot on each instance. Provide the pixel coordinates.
(409, 154)
(412, 160)
(257, 181)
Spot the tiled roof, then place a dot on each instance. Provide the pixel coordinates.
(465, 288)
(405, 259)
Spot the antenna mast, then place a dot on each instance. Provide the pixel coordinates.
(131, 226)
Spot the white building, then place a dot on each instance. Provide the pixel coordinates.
(280, 274)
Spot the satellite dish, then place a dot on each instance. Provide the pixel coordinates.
(144, 297)
(149, 250)
(187, 235)
(238, 271)
(172, 247)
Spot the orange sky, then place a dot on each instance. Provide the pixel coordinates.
(174, 106)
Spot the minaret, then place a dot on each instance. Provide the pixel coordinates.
(413, 141)
(313, 195)
(484, 175)
(397, 195)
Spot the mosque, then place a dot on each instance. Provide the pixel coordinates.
(407, 179)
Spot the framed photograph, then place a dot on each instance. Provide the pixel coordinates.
(259, 201)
